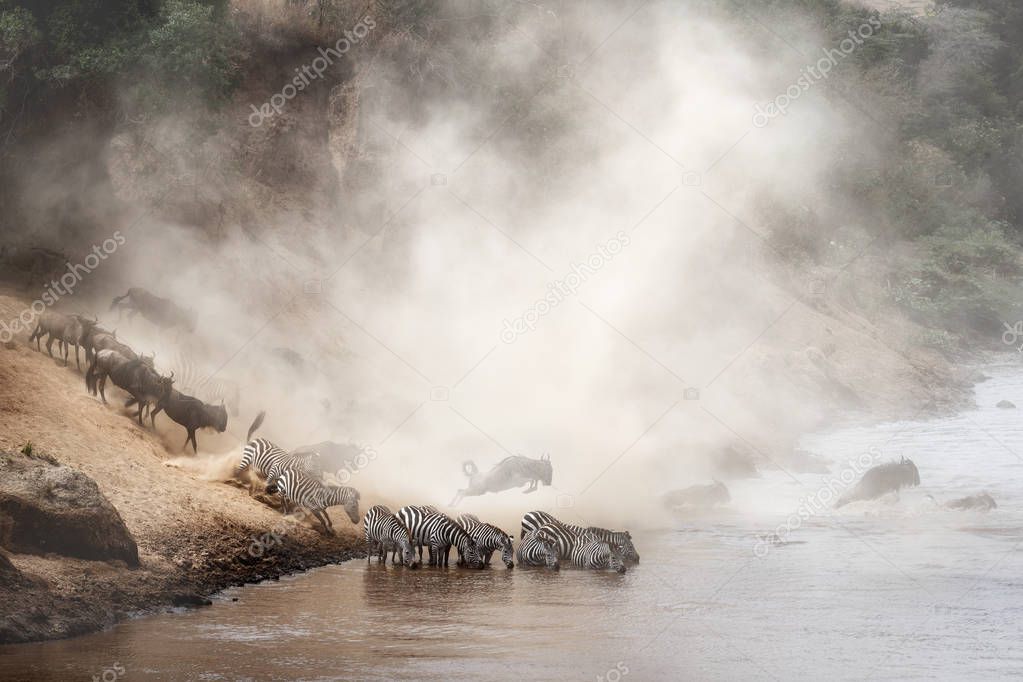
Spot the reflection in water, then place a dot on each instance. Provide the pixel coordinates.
(888, 590)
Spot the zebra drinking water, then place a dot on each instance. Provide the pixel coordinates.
(308, 493)
(593, 553)
(488, 538)
(412, 516)
(620, 539)
(539, 548)
(385, 529)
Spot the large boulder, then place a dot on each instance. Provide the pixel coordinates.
(47, 508)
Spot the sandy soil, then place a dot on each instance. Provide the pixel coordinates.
(194, 535)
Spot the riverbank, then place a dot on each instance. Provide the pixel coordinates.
(195, 537)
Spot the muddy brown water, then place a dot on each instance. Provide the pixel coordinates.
(893, 590)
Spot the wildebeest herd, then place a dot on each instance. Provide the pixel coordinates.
(107, 357)
(299, 477)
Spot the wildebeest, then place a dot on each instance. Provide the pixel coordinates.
(882, 479)
(68, 330)
(981, 502)
(510, 472)
(98, 338)
(162, 312)
(191, 413)
(698, 496)
(135, 376)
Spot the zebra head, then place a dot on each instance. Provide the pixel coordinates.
(407, 557)
(545, 536)
(624, 542)
(351, 504)
(616, 561)
(507, 551)
(470, 554)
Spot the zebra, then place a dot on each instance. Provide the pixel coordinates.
(412, 516)
(307, 492)
(566, 535)
(385, 529)
(539, 548)
(265, 458)
(445, 533)
(620, 539)
(488, 538)
(593, 553)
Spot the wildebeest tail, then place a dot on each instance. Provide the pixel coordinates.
(469, 468)
(255, 425)
(90, 375)
(118, 299)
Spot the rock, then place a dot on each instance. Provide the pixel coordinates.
(46, 507)
(1006, 405)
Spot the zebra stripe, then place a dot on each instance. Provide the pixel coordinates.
(307, 492)
(444, 534)
(566, 535)
(597, 555)
(488, 538)
(412, 516)
(385, 529)
(620, 539)
(539, 548)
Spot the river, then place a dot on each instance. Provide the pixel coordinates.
(896, 589)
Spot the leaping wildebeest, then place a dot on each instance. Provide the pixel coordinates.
(510, 472)
(882, 479)
(68, 330)
(161, 312)
(191, 413)
(136, 376)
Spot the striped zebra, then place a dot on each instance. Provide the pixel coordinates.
(539, 548)
(264, 458)
(489, 538)
(440, 532)
(412, 516)
(309, 493)
(566, 535)
(385, 529)
(593, 553)
(620, 539)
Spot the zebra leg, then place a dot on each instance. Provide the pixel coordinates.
(330, 524)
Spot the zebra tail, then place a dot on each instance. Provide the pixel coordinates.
(255, 425)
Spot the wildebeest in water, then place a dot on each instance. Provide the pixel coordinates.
(698, 496)
(881, 480)
(510, 472)
(162, 312)
(982, 502)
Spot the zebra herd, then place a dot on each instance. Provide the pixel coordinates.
(545, 540)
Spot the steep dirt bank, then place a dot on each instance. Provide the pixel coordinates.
(194, 536)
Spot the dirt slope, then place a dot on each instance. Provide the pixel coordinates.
(194, 535)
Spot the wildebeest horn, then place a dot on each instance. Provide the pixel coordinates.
(171, 374)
